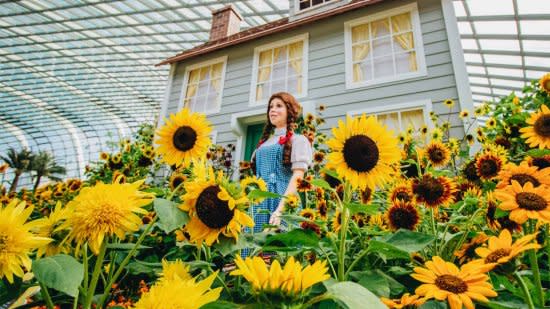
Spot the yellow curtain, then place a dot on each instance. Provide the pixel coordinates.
(192, 86)
(414, 118)
(402, 23)
(264, 64)
(216, 76)
(360, 51)
(295, 52)
(391, 120)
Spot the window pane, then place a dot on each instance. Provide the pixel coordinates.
(390, 120)
(383, 67)
(405, 62)
(381, 47)
(380, 28)
(414, 118)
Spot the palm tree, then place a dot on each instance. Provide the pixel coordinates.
(19, 162)
(45, 166)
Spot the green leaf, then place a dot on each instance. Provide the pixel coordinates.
(220, 305)
(410, 241)
(293, 240)
(432, 304)
(355, 208)
(538, 152)
(60, 272)
(321, 183)
(375, 282)
(353, 295)
(254, 194)
(126, 246)
(228, 245)
(170, 216)
(387, 251)
(331, 173)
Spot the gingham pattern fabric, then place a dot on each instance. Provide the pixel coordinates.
(269, 167)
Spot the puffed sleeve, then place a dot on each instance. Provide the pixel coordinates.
(302, 152)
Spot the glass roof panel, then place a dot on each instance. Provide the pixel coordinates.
(490, 7)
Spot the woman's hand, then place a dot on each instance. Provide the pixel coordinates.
(275, 218)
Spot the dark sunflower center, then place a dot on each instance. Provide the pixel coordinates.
(470, 171)
(404, 196)
(366, 195)
(451, 283)
(177, 181)
(542, 126)
(524, 178)
(429, 189)
(436, 155)
(212, 211)
(488, 167)
(541, 163)
(531, 201)
(403, 217)
(496, 255)
(361, 153)
(184, 138)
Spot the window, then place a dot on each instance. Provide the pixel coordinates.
(281, 66)
(306, 4)
(384, 47)
(203, 86)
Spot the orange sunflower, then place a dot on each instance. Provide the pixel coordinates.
(523, 173)
(525, 202)
(537, 134)
(489, 164)
(434, 191)
(502, 249)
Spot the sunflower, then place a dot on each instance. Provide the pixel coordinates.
(378, 221)
(166, 293)
(322, 209)
(291, 280)
(363, 152)
(525, 202)
(401, 190)
(402, 215)
(424, 130)
(437, 153)
(173, 270)
(337, 221)
(464, 114)
(434, 191)
(501, 249)
(544, 83)
(253, 183)
(48, 227)
(308, 213)
(3, 168)
(212, 208)
(104, 156)
(176, 180)
(436, 134)
(406, 301)
(115, 162)
(292, 201)
(303, 185)
(467, 251)
(318, 157)
(491, 123)
(479, 111)
(445, 281)
(449, 103)
(16, 240)
(540, 162)
(74, 185)
(502, 222)
(105, 210)
(538, 133)
(523, 173)
(489, 164)
(185, 136)
(470, 139)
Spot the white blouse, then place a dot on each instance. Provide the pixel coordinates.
(302, 152)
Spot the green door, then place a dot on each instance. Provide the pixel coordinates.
(253, 135)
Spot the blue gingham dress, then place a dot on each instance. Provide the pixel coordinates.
(269, 167)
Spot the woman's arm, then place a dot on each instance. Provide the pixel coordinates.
(275, 218)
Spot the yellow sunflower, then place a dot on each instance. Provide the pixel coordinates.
(16, 240)
(378, 221)
(525, 202)
(449, 103)
(291, 280)
(544, 83)
(292, 201)
(434, 191)
(402, 215)
(459, 286)
(105, 210)
(308, 213)
(337, 221)
(175, 180)
(502, 249)
(184, 137)
(173, 270)
(523, 173)
(488, 164)
(437, 153)
(467, 250)
(212, 209)
(540, 162)
(538, 133)
(48, 227)
(363, 152)
(104, 156)
(406, 301)
(491, 123)
(464, 114)
(401, 190)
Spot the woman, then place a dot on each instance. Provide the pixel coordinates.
(280, 158)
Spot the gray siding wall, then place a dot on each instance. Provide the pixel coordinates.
(326, 84)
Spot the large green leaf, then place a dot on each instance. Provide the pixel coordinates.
(375, 282)
(170, 216)
(433, 304)
(228, 245)
(352, 295)
(321, 183)
(60, 272)
(387, 251)
(254, 194)
(409, 241)
(355, 208)
(292, 240)
(126, 246)
(220, 304)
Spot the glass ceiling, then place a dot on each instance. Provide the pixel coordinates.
(77, 74)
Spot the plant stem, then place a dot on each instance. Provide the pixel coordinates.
(95, 276)
(328, 260)
(344, 217)
(85, 263)
(46, 295)
(434, 229)
(363, 253)
(465, 235)
(535, 266)
(525, 290)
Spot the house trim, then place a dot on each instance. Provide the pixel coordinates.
(239, 123)
(418, 43)
(255, 63)
(166, 97)
(189, 68)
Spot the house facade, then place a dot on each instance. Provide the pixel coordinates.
(396, 59)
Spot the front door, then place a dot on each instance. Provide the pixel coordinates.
(253, 135)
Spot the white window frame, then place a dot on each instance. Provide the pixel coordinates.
(313, 7)
(302, 37)
(192, 67)
(213, 136)
(425, 105)
(418, 43)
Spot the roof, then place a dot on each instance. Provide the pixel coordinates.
(277, 26)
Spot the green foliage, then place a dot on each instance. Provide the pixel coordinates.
(60, 272)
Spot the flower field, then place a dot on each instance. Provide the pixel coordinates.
(414, 219)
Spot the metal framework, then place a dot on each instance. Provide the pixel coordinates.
(77, 74)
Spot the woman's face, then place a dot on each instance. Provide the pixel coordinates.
(277, 113)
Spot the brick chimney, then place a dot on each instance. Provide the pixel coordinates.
(225, 22)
